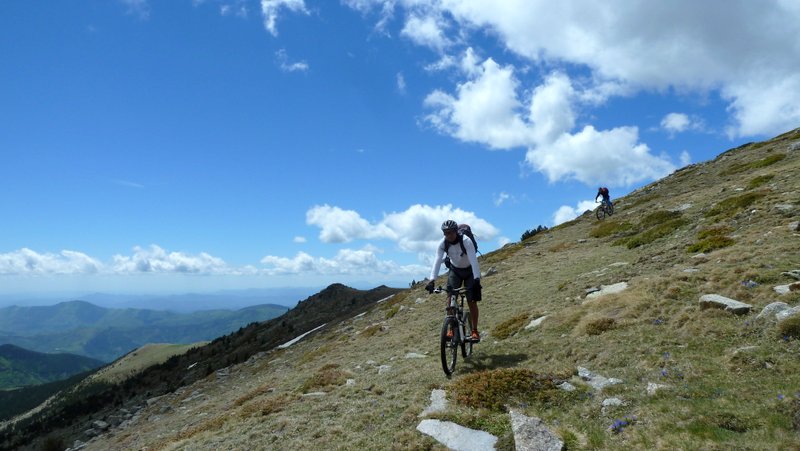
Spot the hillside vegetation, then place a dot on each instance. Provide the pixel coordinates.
(20, 367)
(689, 377)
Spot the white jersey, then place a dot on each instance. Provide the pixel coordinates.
(456, 259)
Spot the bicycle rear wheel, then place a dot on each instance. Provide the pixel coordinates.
(610, 210)
(466, 342)
(449, 345)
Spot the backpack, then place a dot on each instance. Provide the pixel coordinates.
(463, 229)
(604, 191)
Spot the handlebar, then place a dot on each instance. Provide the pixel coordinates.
(461, 290)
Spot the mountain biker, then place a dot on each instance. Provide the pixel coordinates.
(603, 191)
(463, 266)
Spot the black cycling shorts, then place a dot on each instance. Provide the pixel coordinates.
(459, 276)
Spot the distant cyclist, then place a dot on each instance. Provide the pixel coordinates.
(603, 191)
(460, 258)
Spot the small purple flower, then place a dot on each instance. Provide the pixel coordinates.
(780, 397)
(663, 372)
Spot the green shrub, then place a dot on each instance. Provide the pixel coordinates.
(764, 162)
(607, 228)
(711, 243)
(790, 327)
(326, 376)
(713, 231)
(496, 388)
(657, 217)
(510, 327)
(654, 233)
(733, 205)
(760, 180)
(392, 311)
(599, 325)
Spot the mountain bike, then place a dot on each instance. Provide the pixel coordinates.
(605, 209)
(454, 330)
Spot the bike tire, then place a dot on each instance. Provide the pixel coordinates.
(449, 346)
(610, 210)
(600, 213)
(466, 343)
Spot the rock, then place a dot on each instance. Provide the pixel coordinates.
(786, 289)
(595, 380)
(780, 316)
(795, 226)
(90, 433)
(414, 355)
(314, 394)
(489, 272)
(535, 323)
(682, 207)
(457, 437)
(100, 425)
(582, 240)
(794, 146)
(530, 433)
(566, 386)
(653, 388)
(350, 382)
(591, 290)
(771, 310)
(608, 289)
(793, 273)
(384, 369)
(731, 305)
(438, 403)
(618, 264)
(691, 270)
(613, 402)
(419, 301)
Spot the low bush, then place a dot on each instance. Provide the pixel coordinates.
(790, 327)
(327, 376)
(653, 233)
(494, 389)
(764, 162)
(710, 244)
(607, 228)
(760, 180)
(599, 325)
(733, 205)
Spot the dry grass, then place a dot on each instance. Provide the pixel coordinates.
(510, 326)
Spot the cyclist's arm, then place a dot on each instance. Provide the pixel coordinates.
(437, 263)
(473, 259)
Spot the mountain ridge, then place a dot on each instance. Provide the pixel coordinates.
(20, 367)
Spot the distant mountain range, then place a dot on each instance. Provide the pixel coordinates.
(82, 328)
(20, 367)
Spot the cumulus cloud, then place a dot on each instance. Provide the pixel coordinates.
(740, 51)
(416, 229)
(428, 31)
(566, 213)
(346, 262)
(487, 109)
(157, 260)
(299, 239)
(271, 8)
(29, 262)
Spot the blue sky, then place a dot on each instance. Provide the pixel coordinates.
(197, 145)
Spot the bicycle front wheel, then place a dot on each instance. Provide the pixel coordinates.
(449, 345)
(466, 342)
(600, 212)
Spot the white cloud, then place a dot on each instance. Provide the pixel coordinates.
(428, 31)
(237, 8)
(416, 229)
(675, 122)
(501, 198)
(157, 260)
(345, 262)
(566, 213)
(686, 159)
(742, 50)
(486, 109)
(299, 239)
(271, 8)
(28, 262)
(503, 240)
(283, 62)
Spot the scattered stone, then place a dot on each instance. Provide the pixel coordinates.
(315, 393)
(786, 289)
(530, 433)
(535, 323)
(489, 272)
(384, 369)
(90, 433)
(608, 289)
(794, 146)
(350, 382)
(780, 316)
(419, 301)
(786, 208)
(682, 207)
(100, 425)
(691, 270)
(224, 372)
(597, 381)
(438, 403)
(457, 437)
(653, 388)
(566, 386)
(731, 305)
(414, 355)
(612, 402)
(582, 240)
(793, 273)
(795, 226)
(618, 264)
(771, 310)
(592, 290)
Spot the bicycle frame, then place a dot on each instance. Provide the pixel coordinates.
(456, 320)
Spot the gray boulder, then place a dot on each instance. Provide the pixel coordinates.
(530, 433)
(780, 316)
(731, 305)
(769, 312)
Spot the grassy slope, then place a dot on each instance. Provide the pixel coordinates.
(653, 332)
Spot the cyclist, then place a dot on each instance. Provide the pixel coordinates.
(603, 191)
(463, 266)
